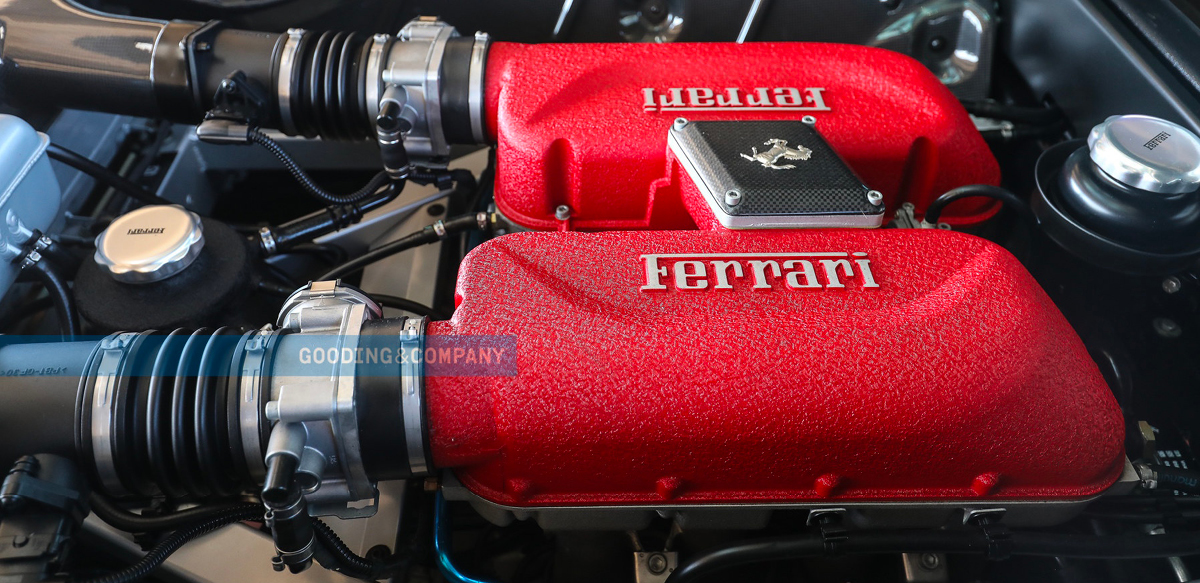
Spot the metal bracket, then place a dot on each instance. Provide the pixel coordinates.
(654, 567)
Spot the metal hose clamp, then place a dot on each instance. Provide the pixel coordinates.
(109, 369)
(283, 86)
(412, 393)
(251, 397)
(475, 77)
(374, 76)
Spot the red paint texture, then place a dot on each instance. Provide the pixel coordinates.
(955, 378)
(571, 127)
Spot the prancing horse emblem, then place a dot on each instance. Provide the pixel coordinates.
(779, 149)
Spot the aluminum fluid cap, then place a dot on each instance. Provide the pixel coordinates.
(1147, 153)
(150, 244)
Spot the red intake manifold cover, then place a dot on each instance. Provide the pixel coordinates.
(711, 367)
(585, 125)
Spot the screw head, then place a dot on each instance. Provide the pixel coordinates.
(562, 212)
(875, 197)
(733, 197)
(1167, 328)
(1172, 284)
(657, 564)
(808, 119)
(930, 561)
(680, 123)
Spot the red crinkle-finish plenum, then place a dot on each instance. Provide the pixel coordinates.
(572, 127)
(955, 378)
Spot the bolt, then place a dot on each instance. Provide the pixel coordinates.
(930, 561)
(1172, 284)
(1167, 328)
(733, 198)
(562, 212)
(657, 564)
(680, 123)
(808, 119)
(875, 197)
(20, 540)
(655, 11)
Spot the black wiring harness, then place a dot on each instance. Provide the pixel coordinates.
(430, 234)
(311, 187)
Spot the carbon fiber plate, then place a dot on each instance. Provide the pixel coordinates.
(772, 174)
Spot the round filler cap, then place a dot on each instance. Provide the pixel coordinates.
(150, 244)
(1147, 153)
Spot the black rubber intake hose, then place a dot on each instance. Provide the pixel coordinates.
(57, 53)
(171, 419)
(38, 391)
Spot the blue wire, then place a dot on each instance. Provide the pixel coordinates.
(441, 545)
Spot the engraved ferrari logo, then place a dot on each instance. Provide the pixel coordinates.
(779, 150)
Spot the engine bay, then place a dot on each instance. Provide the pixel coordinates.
(649, 292)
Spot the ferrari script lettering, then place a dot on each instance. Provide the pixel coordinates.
(734, 99)
(758, 271)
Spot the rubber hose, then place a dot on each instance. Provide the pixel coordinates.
(424, 236)
(123, 520)
(103, 175)
(60, 293)
(934, 212)
(159, 554)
